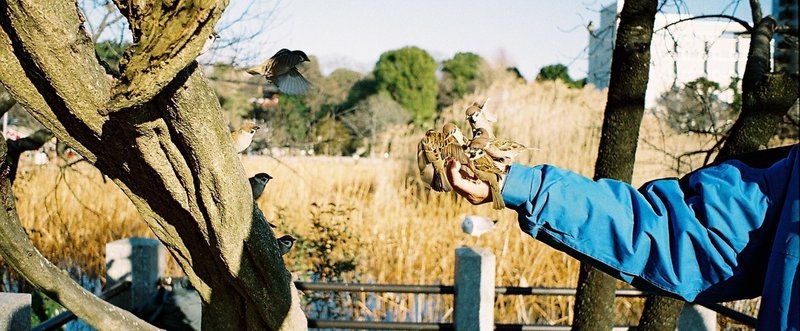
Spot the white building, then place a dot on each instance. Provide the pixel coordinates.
(786, 55)
(681, 53)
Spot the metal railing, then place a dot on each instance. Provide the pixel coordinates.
(67, 316)
(448, 290)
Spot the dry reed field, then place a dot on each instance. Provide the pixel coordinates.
(376, 213)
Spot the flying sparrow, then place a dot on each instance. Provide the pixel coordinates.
(285, 243)
(476, 225)
(243, 136)
(480, 118)
(501, 150)
(487, 170)
(281, 71)
(258, 182)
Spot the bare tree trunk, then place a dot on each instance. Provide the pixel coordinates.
(660, 313)
(766, 97)
(158, 133)
(630, 66)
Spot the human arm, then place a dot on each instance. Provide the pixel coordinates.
(705, 237)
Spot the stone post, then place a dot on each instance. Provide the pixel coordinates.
(15, 311)
(141, 261)
(474, 287)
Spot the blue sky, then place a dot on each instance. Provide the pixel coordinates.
(526, 33)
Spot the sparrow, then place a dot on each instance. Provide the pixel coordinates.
(210, 41)
(501, 150)
(243, 136)
(435, 149)
(476, 225)
(487, 170)
(281, 71)
(480, 132)
(258, 182)
(285, 243)
(429, 152)
(480, 118)
(455, 145)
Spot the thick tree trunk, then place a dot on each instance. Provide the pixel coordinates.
(159, 134)
(660, 313)
(630, 68)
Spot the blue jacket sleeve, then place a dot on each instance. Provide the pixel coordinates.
(680, 237)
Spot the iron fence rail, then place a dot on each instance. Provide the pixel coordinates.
(371, 325)
(740, 317)
(443, 289)
(63, 318)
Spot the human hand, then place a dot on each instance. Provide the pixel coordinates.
(474, 190)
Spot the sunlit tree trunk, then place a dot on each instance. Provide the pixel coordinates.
(157, 131)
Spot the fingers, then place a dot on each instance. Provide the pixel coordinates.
(475, 191)
(454, 172)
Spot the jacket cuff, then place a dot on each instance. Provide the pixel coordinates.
(519, 185)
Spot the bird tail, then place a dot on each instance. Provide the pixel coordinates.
(440, 183)
(497, 196)
(253, 71)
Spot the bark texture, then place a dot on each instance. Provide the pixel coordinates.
(158, 133)
(630, 66)
(766, 96)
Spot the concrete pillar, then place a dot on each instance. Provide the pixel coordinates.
(697, 318)
(474, 287)
(15, 311)
(141, 261)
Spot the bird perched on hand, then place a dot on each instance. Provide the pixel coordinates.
(281, 71)
(501, 150)
(429, 154)
(258, 182)
(478, 117)
(476, 225)
(285, 243)
(243, 136)
(487, 170)
(480, 132)
(455, 145)
(433, 151)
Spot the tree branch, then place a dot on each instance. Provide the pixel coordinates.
(167, 37)
(766, 97)
(741, 22)
(755, 11)
(17, 147)
(19, 252)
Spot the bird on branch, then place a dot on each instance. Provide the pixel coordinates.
(243, 136)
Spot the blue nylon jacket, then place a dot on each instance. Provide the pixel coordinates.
(725, 232)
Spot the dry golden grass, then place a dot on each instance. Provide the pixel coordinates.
(406, 233)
